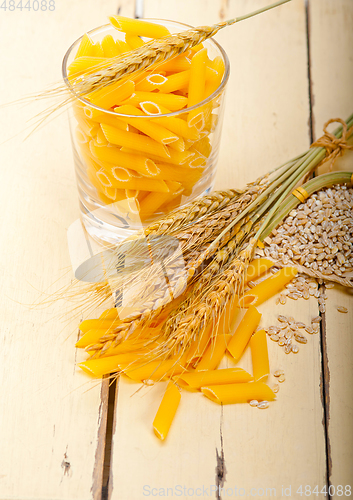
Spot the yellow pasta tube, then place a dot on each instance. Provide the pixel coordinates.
(259, 355)
(170, 101)
(214, 81)
(105, 118)
(197, 85)
(196, 380)
(91, 337)
(176, 125)
(109, 47)
(84, 63)
(116, 157)
(85, 48)
(100, 138)
(86, 130)
(122, 47)
(214, 353)
(98, 50)
(134, 41)
(268, 287)
(152, 202)
(257, 268)
(108, 179)
(151, 82)
(179, 63)
(144, 346)
(135, 141)
(153, 370)
(242, 334)
(145, 125)
(101, 324)
(203, 146)
(138, 27)
(110, 313)
(238, 393)
(175, 157)
(103, 366)
(112, 94)
(187, 176)
(166, 411)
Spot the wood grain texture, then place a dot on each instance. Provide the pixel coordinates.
(331, 39)
(266, 122)
(52, 417)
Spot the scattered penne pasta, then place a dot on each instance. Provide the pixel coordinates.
(259, 355)
(166, 411)
(242, 334)
(269, 287)
(238, 393)
(196, 380)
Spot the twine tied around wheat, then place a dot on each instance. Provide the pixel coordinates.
(335, 146)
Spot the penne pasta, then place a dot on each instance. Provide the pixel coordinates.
(91, 337)
(148, 127)
(238, 393)
(176, 125)
(111, 179)
(100, 138)
(259, 355)
(166, 411)
(112, 94)
(242, 334)
(134, 41)
(153, 370)
(135, 142)
(187, 176)
(257, 268)
(85, 48)
(196, 380)
(103, 366)
(106, 119)
(214, 353)
(98, 50)
(109, 47)
(138, 27)
(153, 202)
(196, 89)
(122, 47)
(170, 101)
(110, 313)
(101, 324)
(268, 287)
(151, 82)
(81, 64)
(179, 63)
(214, 81)
(115, 157)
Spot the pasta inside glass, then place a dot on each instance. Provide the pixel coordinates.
(149, 143)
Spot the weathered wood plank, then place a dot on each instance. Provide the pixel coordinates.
(331, 49)
(53, 419)
(266, 123)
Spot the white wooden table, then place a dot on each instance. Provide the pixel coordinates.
(291, 70)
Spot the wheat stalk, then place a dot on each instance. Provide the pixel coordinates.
(153, 53)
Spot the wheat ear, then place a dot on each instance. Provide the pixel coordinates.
(154, 52)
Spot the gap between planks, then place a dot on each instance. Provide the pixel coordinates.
(325, 374)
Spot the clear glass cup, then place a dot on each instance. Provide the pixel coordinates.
(134, 188)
